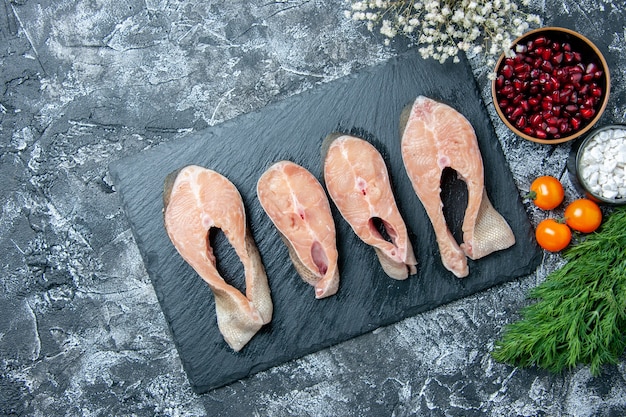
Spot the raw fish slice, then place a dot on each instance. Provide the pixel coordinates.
(435, 136)
(198, 199)
(297, 205)
(357, 180)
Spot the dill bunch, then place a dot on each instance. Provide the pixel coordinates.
(580, 313)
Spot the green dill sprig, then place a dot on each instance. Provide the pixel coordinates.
(580, 313)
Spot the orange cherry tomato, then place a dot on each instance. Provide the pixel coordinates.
(552, 235)
(583, 215)
(546, 192)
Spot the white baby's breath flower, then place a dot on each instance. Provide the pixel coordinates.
(444, 28)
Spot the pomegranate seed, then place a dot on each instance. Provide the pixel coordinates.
(583, 89)
(575, 77)
(517, 113)
(589, 102)
(571, 108)
(546, 54)
(534, 101)
(587, 77)
(575, 69)
(558, 57)
(547, 66)
(567, 46)
(596, 91)
(529, 131)
(591, 68)
(535, 120)
(507, 89)
(525, 105)
(541, 134)
(575, 122)
(521, 122)
(552, 121)
(587, 113)
(507, 71)
(540, 40)
(598, 74)
(552, 130)
(503, 103)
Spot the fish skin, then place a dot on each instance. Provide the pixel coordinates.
(357, 181)
(297, 205)
(195, 200)
(435, 136)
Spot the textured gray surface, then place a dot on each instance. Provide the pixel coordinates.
(81, 333)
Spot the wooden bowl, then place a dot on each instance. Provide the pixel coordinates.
(552, 86)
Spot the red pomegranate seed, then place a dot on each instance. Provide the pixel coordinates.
(506, 90)
(540, 40)
(575, 122)
(507, 71)
(587, 113)
(591, 68)
(521, 122)
(575, 77)
(534, 101)
(552, 130)
(558, 57)
(596, 91)
(567, 46)
(589, 102)
(535, 120)
(525, 106)
(552, 121)
(541, 134)
(547, 66)
(571, 108)
(517, 113)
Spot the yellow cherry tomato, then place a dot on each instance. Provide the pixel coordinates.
(583, 215)
(552, 235)
(546, 192)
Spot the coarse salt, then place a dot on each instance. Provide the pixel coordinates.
(603, 164)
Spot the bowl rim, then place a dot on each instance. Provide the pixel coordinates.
(579, 151)
(601, 109)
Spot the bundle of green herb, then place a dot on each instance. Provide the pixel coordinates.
(580, 315)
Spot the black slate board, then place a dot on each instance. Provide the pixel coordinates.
(369, 104)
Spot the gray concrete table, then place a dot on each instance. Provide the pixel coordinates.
(81, 332)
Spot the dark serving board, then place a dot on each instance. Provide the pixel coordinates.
(369, 104)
